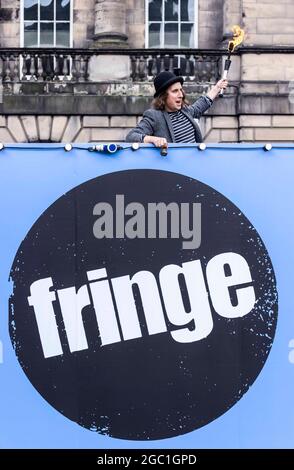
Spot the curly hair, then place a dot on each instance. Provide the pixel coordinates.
(160, 101)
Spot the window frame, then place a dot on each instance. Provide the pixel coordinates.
(54, 22)
(162, 46)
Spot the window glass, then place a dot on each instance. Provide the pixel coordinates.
(47, 23)
(187, 10)
(46, 35)
(171, 35)
(62, 10)
(30, 34)
(171, 10)
(30, 10)
(155, 10)
(171, 23)
(154, 35)
(62, 35)
(47, 10)
(187, 35)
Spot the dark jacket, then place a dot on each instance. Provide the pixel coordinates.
(158, 123)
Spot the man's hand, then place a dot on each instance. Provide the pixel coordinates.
(215, 90)
(222, 83)
(157, 141)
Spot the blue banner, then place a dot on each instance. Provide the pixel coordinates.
(146, 299)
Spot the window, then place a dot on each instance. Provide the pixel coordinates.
(171, 23)
(46, 23)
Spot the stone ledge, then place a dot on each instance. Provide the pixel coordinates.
(74, 105)
(265, 104)
(100, 88)
(71, 105)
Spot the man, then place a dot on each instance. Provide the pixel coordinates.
(172, 119)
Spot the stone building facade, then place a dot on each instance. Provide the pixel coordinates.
(82, 71)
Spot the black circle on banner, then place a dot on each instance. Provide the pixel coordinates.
(147, 376)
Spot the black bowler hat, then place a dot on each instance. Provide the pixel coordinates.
(164, 80)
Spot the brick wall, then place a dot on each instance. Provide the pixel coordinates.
(269, 22)
(34, 128)
(83, 129)
(135, 14)
(266, 78)
(9, 23)
(262, 128)
(210, 23)
(97, 128)
(83, 22)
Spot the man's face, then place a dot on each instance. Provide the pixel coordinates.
(174, 98)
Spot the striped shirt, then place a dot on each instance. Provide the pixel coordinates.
(183, 129)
